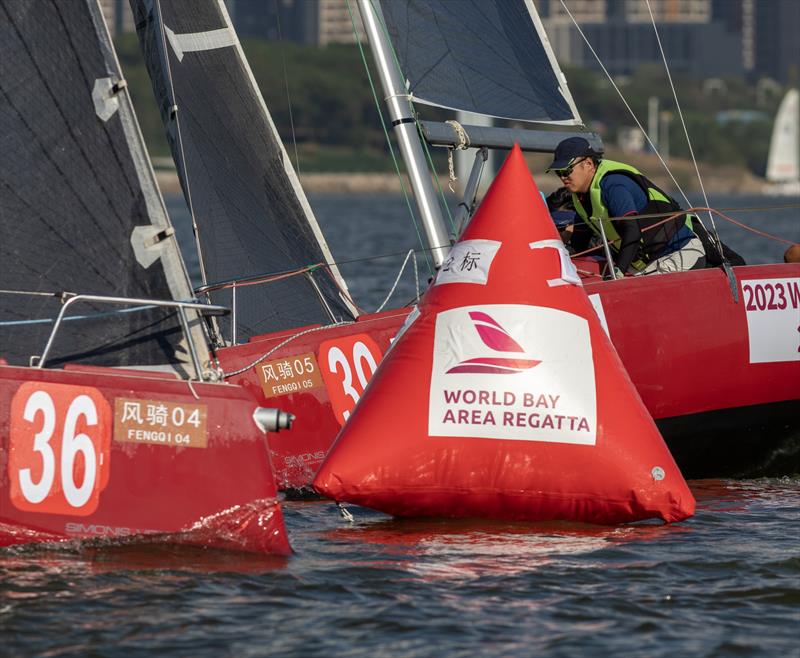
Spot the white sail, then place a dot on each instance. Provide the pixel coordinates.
(783, 163)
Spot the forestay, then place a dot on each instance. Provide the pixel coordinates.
(491, 57)
(79, 209)
(252, 216)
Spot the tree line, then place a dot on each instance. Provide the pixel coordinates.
(323, 106)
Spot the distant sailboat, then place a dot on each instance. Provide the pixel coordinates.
(783, 163)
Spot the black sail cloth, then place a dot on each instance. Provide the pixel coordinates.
(75, 183)
(252, 216)
(490, 57)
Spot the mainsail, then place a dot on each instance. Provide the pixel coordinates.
(489, 57)
(79, 207)
(252, 216)
(783, 164)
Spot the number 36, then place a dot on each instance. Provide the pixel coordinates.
(59, 448)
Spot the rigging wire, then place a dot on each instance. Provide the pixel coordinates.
(670, 216)
(413, 256)
(239, 371)
(173, 110)
(720, 212)
(69, 318)
(276, 276)
(625, 102)
(666, 216)
(683, 124)
(386, 133)
(286, 83)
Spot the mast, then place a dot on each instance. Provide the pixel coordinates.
(404, 125)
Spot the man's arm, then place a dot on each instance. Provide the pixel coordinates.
(630, 234)
(581, 236)
(620, 201)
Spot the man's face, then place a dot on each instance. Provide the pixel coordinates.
(578, 177)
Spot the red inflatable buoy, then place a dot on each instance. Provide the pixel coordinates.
(502, 396)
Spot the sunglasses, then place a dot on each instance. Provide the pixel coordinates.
(565, 173)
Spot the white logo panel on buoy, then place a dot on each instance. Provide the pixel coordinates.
(511, 371)
(469, 261)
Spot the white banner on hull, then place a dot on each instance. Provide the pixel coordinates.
(773, 319)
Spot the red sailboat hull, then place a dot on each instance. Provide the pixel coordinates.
(720, 377)
(92, 452)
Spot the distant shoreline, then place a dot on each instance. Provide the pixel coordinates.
(716, 179)
(361, 183)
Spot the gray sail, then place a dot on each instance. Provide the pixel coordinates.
(79, 209)
(251, 215)
(489, 57)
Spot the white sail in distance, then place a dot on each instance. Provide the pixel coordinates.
(783, 163)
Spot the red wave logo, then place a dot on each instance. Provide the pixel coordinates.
(498, 339)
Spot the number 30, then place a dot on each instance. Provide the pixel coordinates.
(360, 354)
(342, 358)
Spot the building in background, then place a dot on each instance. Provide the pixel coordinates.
(269, 19)
(621, 33)
(768, 32)
(316, 22)
(777, 47)
(334, 22)
(701, 38)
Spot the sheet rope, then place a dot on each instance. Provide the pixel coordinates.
(675, 215)
(463, 145)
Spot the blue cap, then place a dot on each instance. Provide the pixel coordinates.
(568, 150)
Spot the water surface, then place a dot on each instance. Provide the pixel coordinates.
(725, 583)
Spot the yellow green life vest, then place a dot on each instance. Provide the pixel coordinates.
(653, 241)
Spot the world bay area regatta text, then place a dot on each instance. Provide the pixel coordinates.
(472, 410)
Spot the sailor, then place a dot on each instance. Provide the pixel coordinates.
(602, 189)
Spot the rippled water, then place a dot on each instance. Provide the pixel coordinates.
(383, 225)
(370, 234)
(725, 583)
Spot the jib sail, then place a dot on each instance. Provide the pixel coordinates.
(252, 217)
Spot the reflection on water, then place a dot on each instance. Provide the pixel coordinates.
(460, 549)
(725, 582)
(76, 558)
